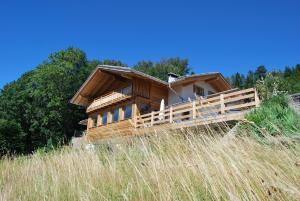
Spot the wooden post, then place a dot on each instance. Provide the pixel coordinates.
(171, 114)
(256, 98)
(109, 117)
(99, 120)
(134, 114)
(152, 118)
(135, 122)
(222, 103)
(200, 103)
(194, 109)
(90, 123)
(121, 113)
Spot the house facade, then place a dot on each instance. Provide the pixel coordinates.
(115, 97)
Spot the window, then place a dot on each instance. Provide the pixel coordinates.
(115, 115)
(210, 92)
(127, 90)
(144, 108)
(128, 111)
(199, 91)
(104, 118)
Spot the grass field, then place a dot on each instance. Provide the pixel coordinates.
(186, 165)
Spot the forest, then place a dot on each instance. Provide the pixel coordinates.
(35, 111)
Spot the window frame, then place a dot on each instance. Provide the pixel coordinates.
(124, 108)
(114, 112)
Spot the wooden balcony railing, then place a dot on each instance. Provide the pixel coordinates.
(113, 97)
(222, 105)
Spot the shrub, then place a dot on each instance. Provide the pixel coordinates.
(275, 117)
(272, 85)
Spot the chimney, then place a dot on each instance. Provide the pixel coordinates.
(172, 77)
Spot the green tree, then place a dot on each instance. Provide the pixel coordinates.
(38, 102)
(237, 80)
(260, 72)
(163, 67)
(292, 76)
(250, 79)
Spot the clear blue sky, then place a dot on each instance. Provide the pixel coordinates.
(225, 36)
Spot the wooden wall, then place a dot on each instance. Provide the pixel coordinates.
(144, 91)
(149, 92)
(122, 128)
(141, 88)
(157, 93)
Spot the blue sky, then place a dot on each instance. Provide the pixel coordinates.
(225, 36)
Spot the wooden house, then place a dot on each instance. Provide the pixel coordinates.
(121, 100)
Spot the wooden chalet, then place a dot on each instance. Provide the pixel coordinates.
(121, 101)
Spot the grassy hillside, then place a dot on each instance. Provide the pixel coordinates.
(258, 161)
(191, 165)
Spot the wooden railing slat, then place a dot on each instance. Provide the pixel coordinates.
(239, 92)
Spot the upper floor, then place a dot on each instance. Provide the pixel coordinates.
(110, 85)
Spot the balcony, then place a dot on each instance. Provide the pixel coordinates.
(111, 98)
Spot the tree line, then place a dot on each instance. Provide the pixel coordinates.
(286, 80)
(35, 111)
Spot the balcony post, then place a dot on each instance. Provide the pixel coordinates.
(171, 114)
(256, 98)
(109, 117)
(121, 113)
(90, 123)
(99, 120)
(152, 118)
(222, 103)
(134, 114)
(194, 109)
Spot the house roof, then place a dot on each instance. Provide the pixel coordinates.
(129, 71)
(210, 75)
(82, 97)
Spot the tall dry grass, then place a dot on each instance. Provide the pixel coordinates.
(186, 165)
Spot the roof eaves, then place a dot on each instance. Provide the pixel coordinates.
(130, 70)
(149, 76)
(82, 86)
(194, 76)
